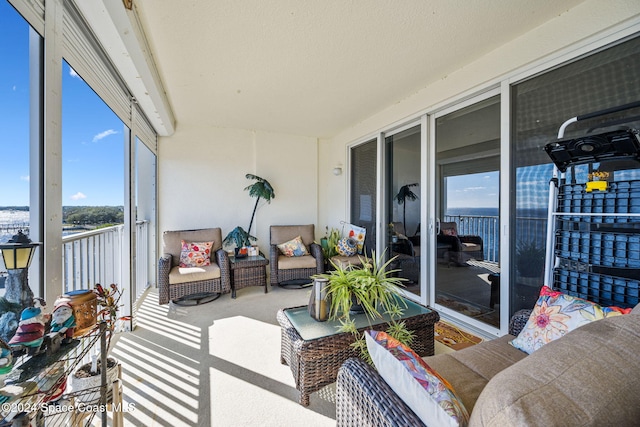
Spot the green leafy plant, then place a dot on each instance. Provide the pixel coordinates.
(403, 195)
(261, 189)
(373, 287)
(330, 242)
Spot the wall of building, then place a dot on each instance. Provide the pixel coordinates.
(201, 175)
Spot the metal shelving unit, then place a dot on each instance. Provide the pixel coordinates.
(43, 374)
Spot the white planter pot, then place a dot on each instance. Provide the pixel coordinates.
(78, 384)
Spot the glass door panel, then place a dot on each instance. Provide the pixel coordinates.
(467, 279)
(364, 170)
(402, 205)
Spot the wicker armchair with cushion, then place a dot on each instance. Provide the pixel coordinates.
(290, 261)
(458, 249)
(196, 278)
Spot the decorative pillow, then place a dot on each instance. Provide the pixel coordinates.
(358, 234)
(429, 395)
(347, 247)
(195, 254)
(293, 247)
(555, 314)
(449, 232)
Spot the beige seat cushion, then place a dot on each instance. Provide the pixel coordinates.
(345, 261)
(288, 263)
(469, 370)
(589, 377)
(179, 275)
(471, 247)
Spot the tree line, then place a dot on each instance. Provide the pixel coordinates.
(93, 215)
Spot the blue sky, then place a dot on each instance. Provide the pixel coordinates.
(92, 135)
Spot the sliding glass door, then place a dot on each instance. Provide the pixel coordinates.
(466, 188)
(401, 203)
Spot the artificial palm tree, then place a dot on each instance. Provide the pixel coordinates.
(403, 195)
(261, 189)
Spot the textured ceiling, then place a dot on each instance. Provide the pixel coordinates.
(316, 67)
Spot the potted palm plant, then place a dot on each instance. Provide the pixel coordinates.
(261, 189)
(371, 289)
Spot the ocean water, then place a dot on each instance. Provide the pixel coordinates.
(9, 221)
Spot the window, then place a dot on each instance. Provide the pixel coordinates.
(606, 79)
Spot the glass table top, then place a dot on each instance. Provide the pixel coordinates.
(311, 329)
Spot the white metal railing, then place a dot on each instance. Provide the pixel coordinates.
(531, 230)
(96, 256)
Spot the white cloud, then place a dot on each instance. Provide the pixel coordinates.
(15, 88)
(73, 73)
(104, 134)
(78, 196)
(24, 178)
(474, 188)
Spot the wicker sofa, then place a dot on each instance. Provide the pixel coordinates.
(590, 376)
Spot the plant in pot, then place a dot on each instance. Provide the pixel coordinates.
(89, 375)
(371, 289)
(261, 189)
(329, 243)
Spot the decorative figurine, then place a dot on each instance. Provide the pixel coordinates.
(6, 359)
(63, 321)
(30, 332)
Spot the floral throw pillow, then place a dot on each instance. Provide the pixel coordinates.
(429, 395)
(555, 314)
(293, 247)
(195, 254)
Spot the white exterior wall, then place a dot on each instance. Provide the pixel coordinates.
(202, 179)
(576, 31)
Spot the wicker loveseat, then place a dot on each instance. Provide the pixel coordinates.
(175, 283)
(590, 376)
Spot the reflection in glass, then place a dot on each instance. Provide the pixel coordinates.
(467, 207)
(402, 239)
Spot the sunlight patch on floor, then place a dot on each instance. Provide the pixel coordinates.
(251, 344)
(252, 405)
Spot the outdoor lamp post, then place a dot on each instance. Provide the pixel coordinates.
(17, 254)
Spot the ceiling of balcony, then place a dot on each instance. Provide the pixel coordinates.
(314, 68)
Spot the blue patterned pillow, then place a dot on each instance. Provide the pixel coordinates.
(293, 247)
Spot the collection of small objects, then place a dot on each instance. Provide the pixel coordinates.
(40, 336)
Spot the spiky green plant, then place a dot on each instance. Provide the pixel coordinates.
(376, 289)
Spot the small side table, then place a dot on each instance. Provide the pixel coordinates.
(248, 271)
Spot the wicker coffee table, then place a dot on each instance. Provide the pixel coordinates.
(315, 350)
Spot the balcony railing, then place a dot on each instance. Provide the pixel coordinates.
(528, 229)
(96, 256)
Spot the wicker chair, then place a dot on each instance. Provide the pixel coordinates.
(458, 249)
(175, 283)
(294, 270)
